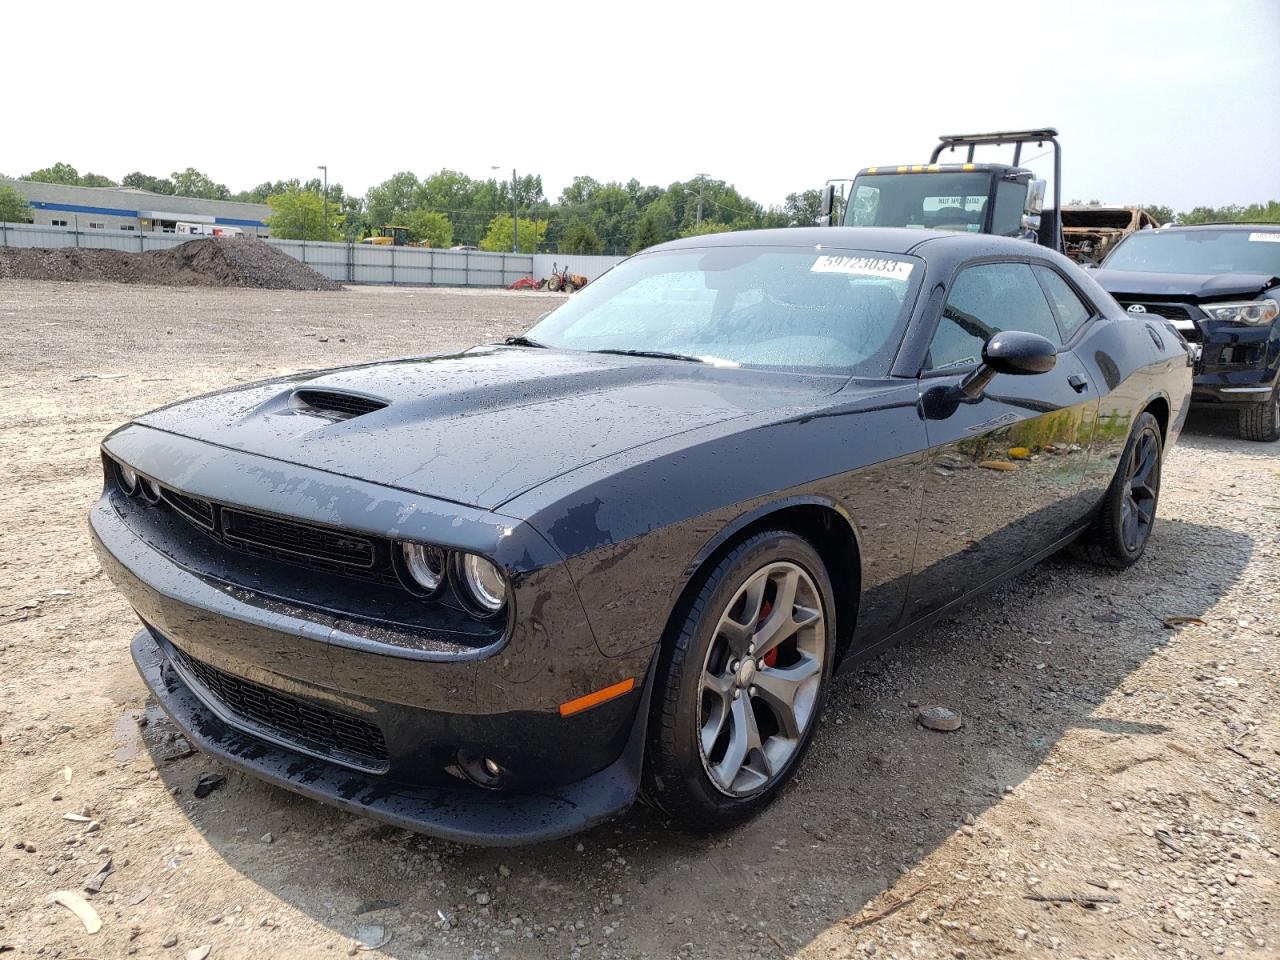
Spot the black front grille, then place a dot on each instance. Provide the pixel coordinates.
(297, 538)
(317, 730)
(331, 403)
(194, 509)
(1171, 311)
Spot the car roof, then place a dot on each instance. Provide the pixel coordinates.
(879, 239)
(1220, 225)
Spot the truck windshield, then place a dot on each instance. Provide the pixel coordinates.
(935, 201)
(797, 309)
(1238, 250)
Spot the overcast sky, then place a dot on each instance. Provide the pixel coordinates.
(1157, 102)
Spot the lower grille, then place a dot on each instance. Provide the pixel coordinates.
(314, 729)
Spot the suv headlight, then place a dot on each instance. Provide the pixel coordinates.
(1255, 313)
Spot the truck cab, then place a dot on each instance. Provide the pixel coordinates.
(997, 198)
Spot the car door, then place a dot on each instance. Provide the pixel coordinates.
(1005, 470)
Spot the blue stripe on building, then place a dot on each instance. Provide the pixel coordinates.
(114, 212)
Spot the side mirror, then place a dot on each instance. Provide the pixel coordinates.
(1010, 352)
(826, 204)
(1031, 221)
(1035, 196)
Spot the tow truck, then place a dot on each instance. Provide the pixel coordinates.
(999, 198)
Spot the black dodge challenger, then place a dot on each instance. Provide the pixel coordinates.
(496, 595)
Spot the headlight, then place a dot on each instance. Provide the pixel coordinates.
(127, 477)
(425, 565)
(1253, 312)
(484, 583)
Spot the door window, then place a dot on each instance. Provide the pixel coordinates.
(1071, 310)
(984, 300)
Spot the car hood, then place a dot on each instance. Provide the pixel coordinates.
(482, 426)
(1182, 286)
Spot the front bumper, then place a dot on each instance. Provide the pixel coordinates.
(372, 715)
(1237, 364)
(459, 814)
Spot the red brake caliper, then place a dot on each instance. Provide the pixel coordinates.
(770, 658)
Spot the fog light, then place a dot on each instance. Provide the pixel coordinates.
(482, 771)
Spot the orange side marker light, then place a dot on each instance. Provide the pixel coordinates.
(586, 702)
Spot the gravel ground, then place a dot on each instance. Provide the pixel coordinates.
(1103, 754)
(224, 262)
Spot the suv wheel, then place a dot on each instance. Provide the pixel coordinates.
(1261, 421)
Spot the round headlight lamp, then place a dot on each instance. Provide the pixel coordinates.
(425, 565)
(150, 490)
(128, 478)
(484, 584)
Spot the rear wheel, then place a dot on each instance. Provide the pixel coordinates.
(742, 684)
(1119, 535)
(553, 283)
(1261, 421)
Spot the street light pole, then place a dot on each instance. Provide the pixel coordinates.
(515, 221)
(325, 168)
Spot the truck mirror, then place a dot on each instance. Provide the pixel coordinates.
(1031, 221)
(1035, 197)
(825, 205)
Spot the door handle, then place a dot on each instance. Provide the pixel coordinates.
(1078, 383)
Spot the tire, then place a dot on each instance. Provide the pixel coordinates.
(1119, 534)
(570, 288)
(1261, 421)
(553, 284)
(715, 686)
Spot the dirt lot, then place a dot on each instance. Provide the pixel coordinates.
(1103, 754)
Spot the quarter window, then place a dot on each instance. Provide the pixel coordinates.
(984, 300)
(1071, 310)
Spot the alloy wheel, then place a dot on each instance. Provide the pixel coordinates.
(1141, 487)
(761, 679)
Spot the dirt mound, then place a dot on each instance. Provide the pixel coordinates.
(212, 262)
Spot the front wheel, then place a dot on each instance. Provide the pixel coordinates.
(1119, 534)
(1261, 421)
(742, 683)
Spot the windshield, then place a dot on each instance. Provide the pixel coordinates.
(1255, 250)
(937, 201)
(759, 306)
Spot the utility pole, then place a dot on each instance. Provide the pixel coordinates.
(325, 168)
(702, 182)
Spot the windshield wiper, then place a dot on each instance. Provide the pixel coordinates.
(657, 354)
(523, 341)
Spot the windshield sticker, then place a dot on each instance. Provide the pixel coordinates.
(864, 267)
(1264, 237)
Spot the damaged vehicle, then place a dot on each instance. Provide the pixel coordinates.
(1089, 232)
(494, 595)
(1218, 285)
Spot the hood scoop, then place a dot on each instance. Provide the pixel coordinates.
(333, 404)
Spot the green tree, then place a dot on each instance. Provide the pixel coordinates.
(63, 173)
(498, 236)
(299, 215)
(1160, 212)
(144, 181)
(393, 198)
(802, 209)
(582, 239)
(97, 180)
(656, 225)
(706, 227)
(13, 206)
(430, 227)
(192, 183)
